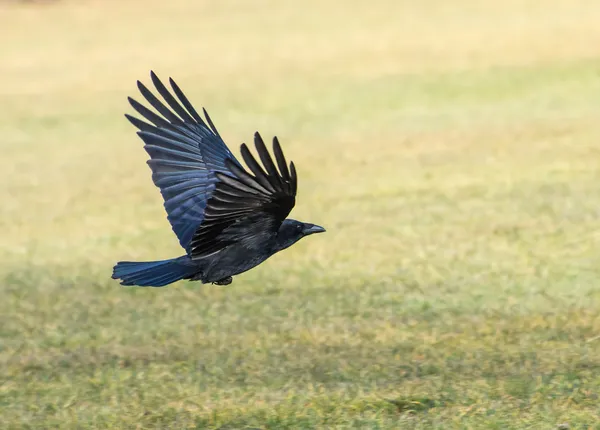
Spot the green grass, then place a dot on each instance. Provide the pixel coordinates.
(452, 151)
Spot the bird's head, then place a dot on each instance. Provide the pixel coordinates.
(291, 231)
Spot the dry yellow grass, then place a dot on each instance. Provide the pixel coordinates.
(452, 151)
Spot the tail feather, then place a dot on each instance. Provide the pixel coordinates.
(153, 273)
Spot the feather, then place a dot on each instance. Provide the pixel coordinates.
(148, 114)
(244, 177)
(283, 168)
(267, 161)
(186, 103)
(236, 182)
(210, 123)
(158, 105)
(168, 97)
(259, 173)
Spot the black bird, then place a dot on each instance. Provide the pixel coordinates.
(227, 219)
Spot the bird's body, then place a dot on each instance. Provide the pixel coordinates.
(218, 268)
(227, 219)
(232, 261)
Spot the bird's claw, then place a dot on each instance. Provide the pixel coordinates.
(224, 281)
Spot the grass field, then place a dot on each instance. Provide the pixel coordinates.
(451, 149)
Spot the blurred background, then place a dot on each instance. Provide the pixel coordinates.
(451, 149)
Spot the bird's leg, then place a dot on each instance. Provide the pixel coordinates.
(224, 281)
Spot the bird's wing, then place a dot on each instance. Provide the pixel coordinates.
(247, 207)
(185, 152)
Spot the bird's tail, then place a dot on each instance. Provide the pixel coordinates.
(154, 273)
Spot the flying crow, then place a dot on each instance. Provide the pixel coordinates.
(227, 219)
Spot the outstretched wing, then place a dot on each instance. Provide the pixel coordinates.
(184, 152)
(247, 207)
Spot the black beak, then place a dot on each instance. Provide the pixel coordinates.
(312, 228)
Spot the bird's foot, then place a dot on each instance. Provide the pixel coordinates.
(224, 281)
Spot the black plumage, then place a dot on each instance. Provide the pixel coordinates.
(227, 219)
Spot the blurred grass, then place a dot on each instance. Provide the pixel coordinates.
(451, 150)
